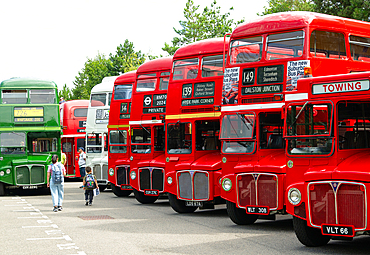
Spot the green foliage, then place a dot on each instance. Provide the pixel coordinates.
(125, 59)
(198, 26)
(355, 9)
(93, 73)
(276, 6)
(66, 93)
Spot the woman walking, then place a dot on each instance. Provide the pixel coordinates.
(55, 180)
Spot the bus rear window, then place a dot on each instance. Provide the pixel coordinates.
(14, 96)
(285, 45)
(212, 66)
(122, 92)
(81, 112)
(360, 48)
(185, 69)
(98, 100)
(246, 50)
(42, 96)
(327, 45)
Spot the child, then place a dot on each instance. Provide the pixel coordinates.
(89, 184)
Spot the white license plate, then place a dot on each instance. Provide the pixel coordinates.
(194, 203)
(30, 187)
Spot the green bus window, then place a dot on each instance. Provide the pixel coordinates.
(42, 96)
(12, 143)
(14, 96)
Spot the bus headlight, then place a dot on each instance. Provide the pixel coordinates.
(133, 175)
(8, 171)
(294, 196)
(2, 173)
(169, 180)
(111, 171)
(226, 184)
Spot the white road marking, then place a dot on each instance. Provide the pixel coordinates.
(65, 237)
(50, 226)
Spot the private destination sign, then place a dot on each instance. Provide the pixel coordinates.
(340, 87)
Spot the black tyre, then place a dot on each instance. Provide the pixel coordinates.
(140, 197)
(239, 216)
(102, 187)
(2, 189)
(118, 192)
(179, 205)
(308, 236)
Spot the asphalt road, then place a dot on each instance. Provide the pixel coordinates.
(115, 225)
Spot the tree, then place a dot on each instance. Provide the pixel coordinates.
(198, 26)
(66, 93)
(93, 73)
(125, 59)
(355, 9)
(276, 6)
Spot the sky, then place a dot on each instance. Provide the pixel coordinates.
(51, 40)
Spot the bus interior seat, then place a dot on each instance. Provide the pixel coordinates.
(192, 74)
(275, 141)
(356, 140)
(209, 144)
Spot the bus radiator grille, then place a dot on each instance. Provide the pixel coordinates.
(348, 198)
(105, 172)
(35, 175)
(151, 178)
(193, 185)
(257, 189)
(122, 175)
(97, 172)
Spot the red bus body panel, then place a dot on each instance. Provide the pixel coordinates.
(73, 137)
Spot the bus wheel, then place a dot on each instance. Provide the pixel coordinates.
(308, 236)
(118, 192)
(239, 216)
(179, 205)
(144, 199)
(2, 189)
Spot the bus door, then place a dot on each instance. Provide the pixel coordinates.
(68, 145)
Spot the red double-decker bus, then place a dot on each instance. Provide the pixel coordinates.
(148, 108)
(328, 150)
(193, 157)
(267, 56)
(119, 135)
(73, 116)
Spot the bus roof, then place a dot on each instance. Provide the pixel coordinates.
(126, 77)
(296, 20)
(27, 83)
(155, 65)
(71, 103)
(214, 45)
(105, 86)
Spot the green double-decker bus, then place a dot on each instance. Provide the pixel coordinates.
(29, 132)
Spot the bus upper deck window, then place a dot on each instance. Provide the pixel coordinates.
(163, 81)
(98, 99)
(285, 45)
(42, 96)
(122, 91)
(212, 66)
(246, 50)
(185, 69)
(14, 96)
(327, 45)
(360, 48)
